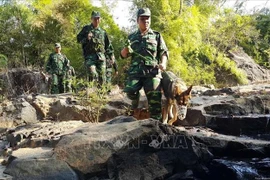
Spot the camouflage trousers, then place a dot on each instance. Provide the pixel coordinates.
(57, 84)
(68, 85)
(109, 75)
(96, 70)
(152, 89)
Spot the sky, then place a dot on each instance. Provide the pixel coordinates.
(250, 4)
(121, 12)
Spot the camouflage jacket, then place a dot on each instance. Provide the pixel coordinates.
(147, 52)
(98, 44)
(57, 64)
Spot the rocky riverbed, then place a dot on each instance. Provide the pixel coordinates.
(225, 135)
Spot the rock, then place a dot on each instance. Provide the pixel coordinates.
(24, 81)
(230, 146)
(195, 117)
(240, 125)
(28, 113)
(62, 111)
(38, 163)
(17, 112)
(125, 148)
(44, 134)
(255, 72)
(148, 148)
(242, 110)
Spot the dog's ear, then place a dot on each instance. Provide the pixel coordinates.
(177, 91)
(188, 91)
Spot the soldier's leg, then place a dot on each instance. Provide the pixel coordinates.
(67, 83)
(109, 79)
(91, 69)
(61, 84)
(68, 86)
(132, 89)
(54, 84)
(109, 75)
(101, 70)
(152, 90)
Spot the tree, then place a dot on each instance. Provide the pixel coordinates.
(191, 39)
(15, 33)
(29, 32)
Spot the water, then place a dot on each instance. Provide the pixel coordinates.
(241, 169)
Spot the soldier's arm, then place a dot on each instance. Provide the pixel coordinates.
(163, 62)
(109, 51)
(73, 71)
(82, 36)
(127, 50)
(66, 68)
(163, 53)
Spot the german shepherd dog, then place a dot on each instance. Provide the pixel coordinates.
(176, 99)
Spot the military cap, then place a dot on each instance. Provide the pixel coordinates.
(95, 14)
(143, 12)
(57, 45)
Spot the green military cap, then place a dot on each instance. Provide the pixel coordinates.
(57, 45)
(143, 12)
(95, 14)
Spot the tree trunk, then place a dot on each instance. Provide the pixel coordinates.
(181, 6)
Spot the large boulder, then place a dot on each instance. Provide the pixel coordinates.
(17, 112)
(39, 163)
(124, 148)
(24, 81)
(240, 110)
(254, 72)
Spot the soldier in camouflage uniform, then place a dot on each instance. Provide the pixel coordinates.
(69, 76)
(109, 70)
(96, 48)
(149, 56)
(56, 67)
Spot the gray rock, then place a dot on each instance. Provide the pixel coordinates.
(28, 113)
(255, 72)
(136, 149)
(43, 169)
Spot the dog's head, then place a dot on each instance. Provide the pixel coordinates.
(182, 99)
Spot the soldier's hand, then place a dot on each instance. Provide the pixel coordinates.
(116, 73)
(125, 52)
(128, 45)
(162, 66)
(130, 50)
(89, 36)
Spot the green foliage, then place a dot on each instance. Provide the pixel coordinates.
(92, 97)
(260, 48)
(15, 34)
(2, 90)
(29, 32)
(3, 61)
(198, 37)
